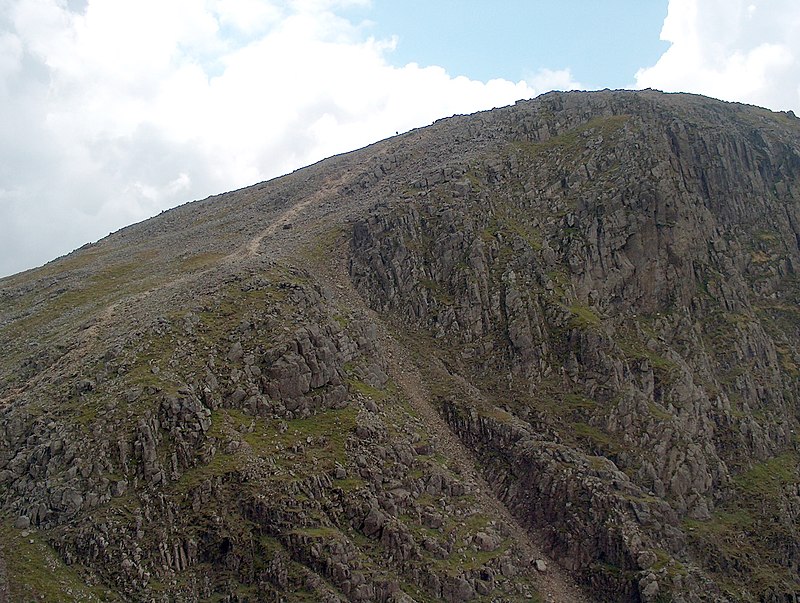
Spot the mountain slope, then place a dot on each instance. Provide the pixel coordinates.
(558, 336)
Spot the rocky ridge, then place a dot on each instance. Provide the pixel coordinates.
(547, 351)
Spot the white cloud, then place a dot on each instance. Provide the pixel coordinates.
(549, 79)
(117, 109)
(247, 16)
(731, 49)
(10, 55)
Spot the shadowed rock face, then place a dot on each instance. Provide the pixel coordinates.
(557, 336)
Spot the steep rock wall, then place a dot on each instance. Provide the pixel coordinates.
(629, 282)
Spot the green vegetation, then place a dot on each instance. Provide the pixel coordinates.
(349, 484)
(330, 429)
(596, 439)
(156, 351)
(510, 221)
(723, 329)
(37, 573)
(584, 317)
(631, 344)
(747, 542)
(359, 387)
(324, 245)
(99, 290)
(722, 523)
(665, 562)
(323, 532)
(560, 282)
(229, 308)
(500, 415)
(779, 318)
(457, 531)
(312, 445)
(659, 413)
(440, 294)
(573, 141)
(474, 179)
(200, 261)
(769, 477)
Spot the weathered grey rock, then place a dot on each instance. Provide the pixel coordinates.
(596, 291)
(374, 522)
(485, 542)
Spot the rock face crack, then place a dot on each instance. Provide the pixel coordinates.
(553, 585)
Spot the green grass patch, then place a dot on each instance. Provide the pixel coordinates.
(307, 446)
(583, 317)
(220, 464)
(572, 402)
(318, 532)
(499, 415)
(37, 573)
(667, 563)
(324, 245)
(659, 413)
(769, 477)
(575, 140)
(597, 438)
(722, 523)
(379, 395)
(348, 485)
(85, 297)
(439, 293)
(507, 221)
(200, 261)
(746, 545)
(635, 349)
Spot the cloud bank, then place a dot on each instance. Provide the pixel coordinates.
(736, 50)
(116, 109)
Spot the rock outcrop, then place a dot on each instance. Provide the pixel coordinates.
(548, 348)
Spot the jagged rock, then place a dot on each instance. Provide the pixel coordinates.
(236, 352)
(650, 588)
(596, 292)
(485, 542)
(457, 589)
(374, 522)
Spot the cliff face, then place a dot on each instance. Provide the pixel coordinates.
(544, 351)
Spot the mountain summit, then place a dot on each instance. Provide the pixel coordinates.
(546, 352)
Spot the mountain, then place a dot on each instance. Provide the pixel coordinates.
(546, 352)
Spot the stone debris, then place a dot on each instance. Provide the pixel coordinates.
(544, 351)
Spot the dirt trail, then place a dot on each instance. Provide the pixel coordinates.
(286, 239)
(247, 250)
(89, 336)
(285, 220)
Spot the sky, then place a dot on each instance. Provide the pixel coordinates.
(112, 111)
